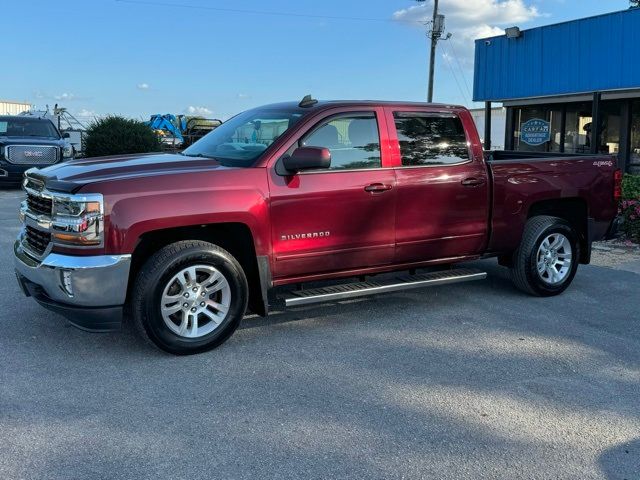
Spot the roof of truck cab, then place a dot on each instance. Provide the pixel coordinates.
(323, 104)
(23, 117)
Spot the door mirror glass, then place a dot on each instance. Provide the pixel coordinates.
(307, 158)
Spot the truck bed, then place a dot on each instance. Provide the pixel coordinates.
(527, 182)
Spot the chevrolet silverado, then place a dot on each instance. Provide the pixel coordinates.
(288, 194)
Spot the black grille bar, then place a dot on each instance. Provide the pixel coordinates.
(37, 240)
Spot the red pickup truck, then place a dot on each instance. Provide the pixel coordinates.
(302, 192)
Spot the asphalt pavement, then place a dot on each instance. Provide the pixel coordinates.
(473, 380)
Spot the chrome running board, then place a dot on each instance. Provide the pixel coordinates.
(363, 289)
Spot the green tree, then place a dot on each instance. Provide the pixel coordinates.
(114, 135)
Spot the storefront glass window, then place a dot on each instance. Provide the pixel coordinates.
(610, 127)
(556, 130)
(522, 116)
(577, 137)
(635, 134)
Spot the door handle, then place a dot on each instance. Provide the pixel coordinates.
(377, 188)
(473, 182)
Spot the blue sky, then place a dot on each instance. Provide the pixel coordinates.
(135, 59)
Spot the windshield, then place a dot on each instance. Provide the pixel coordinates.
(27, 127)
(241, 140)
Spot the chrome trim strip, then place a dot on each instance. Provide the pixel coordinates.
(394, 287)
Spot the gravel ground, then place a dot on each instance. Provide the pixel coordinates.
(469, 381)
(619, 254)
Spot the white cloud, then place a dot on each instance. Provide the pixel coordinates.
(83, 112)
(143, 86)
(469, 20)
(66, 97)
(243, 96)
(191, 110)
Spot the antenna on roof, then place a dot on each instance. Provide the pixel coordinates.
(307, 101)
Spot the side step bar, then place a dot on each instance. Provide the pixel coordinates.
(362, 289)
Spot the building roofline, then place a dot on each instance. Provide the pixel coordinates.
(606, 14)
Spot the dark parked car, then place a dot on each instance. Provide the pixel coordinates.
(26, 142)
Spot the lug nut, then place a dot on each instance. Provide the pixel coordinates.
(185, 305)
(194, 309)
(186, 295)
(204, 294)
(202, 304)
(195, 289)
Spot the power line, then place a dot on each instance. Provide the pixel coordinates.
(154, 3)
(455, 77)
(461, 70)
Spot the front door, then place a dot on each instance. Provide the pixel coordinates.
(340, 218)
(442, 184)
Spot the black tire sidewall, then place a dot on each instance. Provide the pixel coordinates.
(539, 285)
(153, 322)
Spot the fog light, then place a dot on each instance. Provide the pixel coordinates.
(66, 282)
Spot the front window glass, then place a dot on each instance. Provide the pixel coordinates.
(28, 127)
(428, 139)
(353, 141)
(239, 142)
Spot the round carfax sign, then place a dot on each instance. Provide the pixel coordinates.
(535, 132)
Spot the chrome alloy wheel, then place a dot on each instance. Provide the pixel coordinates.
(554, 259)
(195, 301)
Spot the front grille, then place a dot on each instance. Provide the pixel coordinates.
(40, 205)
(37, 240)
(31, 155)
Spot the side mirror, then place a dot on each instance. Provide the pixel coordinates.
(307, 158)
(66, 135)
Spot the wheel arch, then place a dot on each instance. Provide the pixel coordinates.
(234, 237)
(573, 210)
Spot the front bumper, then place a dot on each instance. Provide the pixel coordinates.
(90, 291)
(11, 174)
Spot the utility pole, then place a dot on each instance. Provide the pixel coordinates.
(435, 34)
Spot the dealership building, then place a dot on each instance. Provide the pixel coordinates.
(572, 87)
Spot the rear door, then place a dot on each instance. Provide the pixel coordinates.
(442, 183)
(340, 218)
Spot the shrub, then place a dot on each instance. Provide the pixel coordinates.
(115, 135)
(630, 206)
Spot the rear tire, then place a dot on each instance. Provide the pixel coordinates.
(547, 259)
(189, 297)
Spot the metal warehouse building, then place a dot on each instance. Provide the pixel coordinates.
(13, 108)
(572, 87)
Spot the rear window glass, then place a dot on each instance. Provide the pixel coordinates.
(430, 139)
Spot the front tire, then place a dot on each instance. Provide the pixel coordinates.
(189, 297)
(547, 259)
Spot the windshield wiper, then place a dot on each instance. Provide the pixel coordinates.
(197, 155)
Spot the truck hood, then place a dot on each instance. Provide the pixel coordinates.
(73, 175)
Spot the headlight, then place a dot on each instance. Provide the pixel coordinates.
(67, 152)
(77, 220)
(70, 207)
